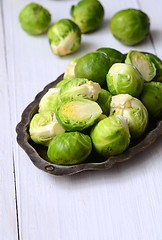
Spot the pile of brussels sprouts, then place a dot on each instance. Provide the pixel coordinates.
(103, 104)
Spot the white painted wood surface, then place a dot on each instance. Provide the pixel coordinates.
(119, 204)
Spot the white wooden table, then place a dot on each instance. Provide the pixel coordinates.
(122, 203)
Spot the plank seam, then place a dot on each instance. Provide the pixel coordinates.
(150, 36)
(4, 36)
(16, 202)
(5, 58)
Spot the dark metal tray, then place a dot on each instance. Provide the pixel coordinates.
(37, 153)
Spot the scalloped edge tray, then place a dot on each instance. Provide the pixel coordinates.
(36, 152)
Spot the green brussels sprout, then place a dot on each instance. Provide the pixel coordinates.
(124, 78)
(69, 148)
(158, 65)
(151, 97)
(114, 55)
(101, 117)
(62, 82)
(34, 19)
(77, 115)
(111, 136)
(104, 100)
(80, 87)
(88, 15)
(93, 66)
(50, 100)
(142, 63)
(130, 26)
(69, 72)
(44, 127)
(64, 37)
(132, 109)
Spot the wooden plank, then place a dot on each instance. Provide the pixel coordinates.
(122, 203)
(8, 215)
(153, 9)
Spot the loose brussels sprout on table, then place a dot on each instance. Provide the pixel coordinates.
(124, 78)
(151, 97)
(130, 26)
(142, 62)
(64, 37)
(80, 87)
(88, 15)
(133, 110)
(44, 127)
(111, 136)
(69, 148)
(93, 66)
(34, 19)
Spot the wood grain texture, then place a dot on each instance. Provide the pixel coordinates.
(122, 203)
(8, 217)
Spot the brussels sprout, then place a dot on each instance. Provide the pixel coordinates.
(101, 117)
(69, 148)
(152, 98)
(111, 136)
(34, 19)
(44, 127)
(142, 63)
(62, 82)
(64, 37)
(114, 55)
(132, 109)
(130, 26)
(77, 115)
(104, 100)
(69, 72)
(50, 100)
(158, 65)
(93, 66)
(80, 87)
(124, 78)
(88, 15)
